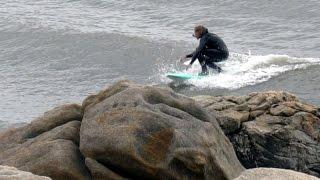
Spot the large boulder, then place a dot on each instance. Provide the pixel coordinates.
(12, 173)
(270, 129)
(144, 132)
(47, 146)
(273, 173)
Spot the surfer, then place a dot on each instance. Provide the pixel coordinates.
(211, 49)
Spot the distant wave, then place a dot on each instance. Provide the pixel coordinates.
(242, 70)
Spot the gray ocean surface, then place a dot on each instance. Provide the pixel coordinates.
(54, 52)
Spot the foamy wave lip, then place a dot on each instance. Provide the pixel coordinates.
(242, 70)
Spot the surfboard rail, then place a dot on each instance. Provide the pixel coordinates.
(182, 76)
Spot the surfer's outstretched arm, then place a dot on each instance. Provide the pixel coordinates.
(184, 58)
(200, 48)
(190, 55)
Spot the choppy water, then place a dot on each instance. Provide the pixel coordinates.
(58, 51)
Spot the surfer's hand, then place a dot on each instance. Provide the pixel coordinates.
(182, 58)
(188, 67)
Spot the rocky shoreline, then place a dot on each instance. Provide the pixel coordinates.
(270, 129)
(132, 131)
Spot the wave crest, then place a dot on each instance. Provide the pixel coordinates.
(242, 70)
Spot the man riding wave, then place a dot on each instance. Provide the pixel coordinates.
(211, 49)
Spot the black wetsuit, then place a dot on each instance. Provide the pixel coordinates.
(211, 49)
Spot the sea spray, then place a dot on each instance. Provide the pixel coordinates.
(241, 70)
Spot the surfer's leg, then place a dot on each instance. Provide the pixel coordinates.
(202, 61)
(214, 66)
(215, 56)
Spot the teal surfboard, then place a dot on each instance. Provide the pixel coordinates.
(183, 76)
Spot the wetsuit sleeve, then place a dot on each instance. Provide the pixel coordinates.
(201, 46)
(189, 55)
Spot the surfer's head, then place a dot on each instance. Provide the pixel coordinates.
(199, 31)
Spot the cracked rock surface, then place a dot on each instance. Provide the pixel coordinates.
(270, 129)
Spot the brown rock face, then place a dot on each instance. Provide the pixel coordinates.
(280, 131)
(99, 171)
(47, 146)
(143, 132)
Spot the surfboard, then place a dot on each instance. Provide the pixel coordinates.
(183, 76)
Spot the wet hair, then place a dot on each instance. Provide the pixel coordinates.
(201, 29)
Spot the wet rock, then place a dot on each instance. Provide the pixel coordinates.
(144, 132)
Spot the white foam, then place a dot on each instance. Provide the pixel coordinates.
(242, 70)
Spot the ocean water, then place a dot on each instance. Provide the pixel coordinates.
(54, 52)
